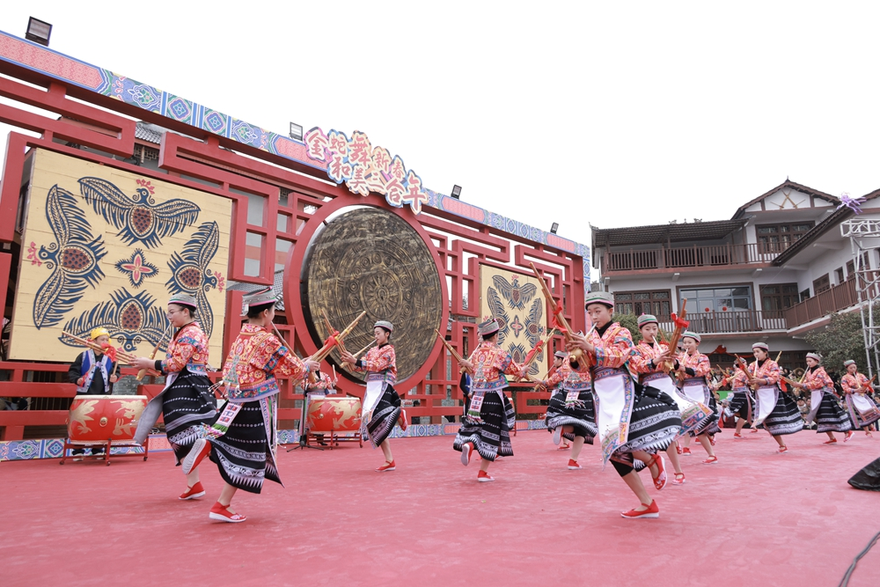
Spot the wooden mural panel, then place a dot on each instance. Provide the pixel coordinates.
(370, 259)
(518, 303)
(105, 247)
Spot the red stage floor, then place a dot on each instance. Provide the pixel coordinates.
(755, 518)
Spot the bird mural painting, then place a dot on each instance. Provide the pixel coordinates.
(190, 273)
(137, 217)
(73, 258)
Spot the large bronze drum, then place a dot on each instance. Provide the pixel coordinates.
(370, 259)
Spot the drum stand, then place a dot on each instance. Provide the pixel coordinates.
(303, 431)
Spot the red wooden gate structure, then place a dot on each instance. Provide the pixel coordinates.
(280, 196)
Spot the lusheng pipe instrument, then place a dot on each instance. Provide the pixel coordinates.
(334, 339)
(680, 326)
(143, 372)
(109, 350)
(533, 355)
(451, 350)
(333, 332)
(577, 355)
(360, 352)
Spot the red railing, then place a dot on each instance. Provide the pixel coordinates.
(834, 299)
(730, 322)
(693, 256)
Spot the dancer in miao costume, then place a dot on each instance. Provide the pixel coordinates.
(381, 406)
(647, 361)
(741, 401)
(242, 442)
(633, 421)
(824, 409)
(570, 413)
(489, 416)
(693, 368)
(775, 409)
(859, 404)
(187, 405)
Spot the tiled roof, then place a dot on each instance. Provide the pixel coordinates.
(149, 132)
(664, 233)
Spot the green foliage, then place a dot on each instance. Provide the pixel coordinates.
(841, 340)
(631, 323)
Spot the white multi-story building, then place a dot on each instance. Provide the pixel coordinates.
(773, 272)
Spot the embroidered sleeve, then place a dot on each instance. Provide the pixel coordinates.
(556, 378)
(179, 355)
(641, 358)
(614, 352)
(703, 366)
(285, 365)
(818, 380)
(377, 360)
(740, 380)
(771, 372)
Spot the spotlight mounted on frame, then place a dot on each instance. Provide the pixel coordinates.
(554, 228)
(38, 31)
(296, 131)
(456, 192)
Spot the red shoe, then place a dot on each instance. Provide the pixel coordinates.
(737, 435)
(679, 479)
(849, 435)
(386, 467)
(711, 460)
(712, 439)
(484, 477)
(677, 447)
(573, 465)
(652, 512)
(783, 448)
(832, 441)
(557, 435)
(686, 450)
(200, 449)
(564, 447)
(402, 420)
(754, 430)
(466, 449)
(193, 492)
(661, 478)
(221, 512)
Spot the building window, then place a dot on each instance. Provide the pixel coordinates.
(643, 302)
(838, 273)
(721, 299)
(778, 297)
(821, 284)
(775, 238)
(805, 295)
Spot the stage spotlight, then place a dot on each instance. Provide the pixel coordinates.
(38, 31)
(456, 192)
(296, 131)
(554, 228)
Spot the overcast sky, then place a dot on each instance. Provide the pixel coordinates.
(604, 113)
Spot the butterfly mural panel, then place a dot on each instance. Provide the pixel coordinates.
(517, 302)
(106, 247)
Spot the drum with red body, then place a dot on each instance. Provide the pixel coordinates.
(97, 418)
(334, 414)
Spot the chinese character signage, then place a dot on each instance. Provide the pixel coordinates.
(366, 169)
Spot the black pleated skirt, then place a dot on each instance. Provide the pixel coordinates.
(581, 417)
(785, 417)
(491, 437)
(830, 417)
(243, 454)
(385, 416)
(188, 408)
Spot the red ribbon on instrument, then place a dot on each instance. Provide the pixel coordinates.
(110, 351)
(557, 311)
(332, 340)
(680, 322)
(534, 351)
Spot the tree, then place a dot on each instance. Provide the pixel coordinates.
(841, 340)
(631, 323)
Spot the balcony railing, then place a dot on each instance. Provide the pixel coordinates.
(730, 322)
(694, 256)
(835, 299)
